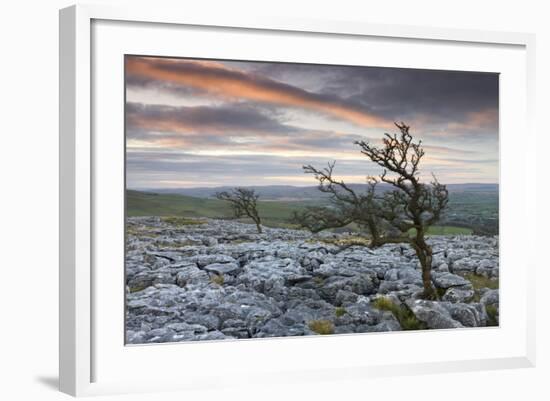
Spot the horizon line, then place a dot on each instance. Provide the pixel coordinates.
(280, 185)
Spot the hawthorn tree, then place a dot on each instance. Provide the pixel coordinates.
(243, 202)
(401, 214)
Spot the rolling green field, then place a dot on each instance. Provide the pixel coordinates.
(273, 213)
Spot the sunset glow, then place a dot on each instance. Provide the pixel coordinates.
(195, 123)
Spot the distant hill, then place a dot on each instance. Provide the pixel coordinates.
(295, 193)
(139, 203)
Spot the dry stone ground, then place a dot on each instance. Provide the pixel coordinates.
(190, 280)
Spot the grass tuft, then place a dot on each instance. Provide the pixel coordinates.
(492, 315)
(181, 221)
(410, 322)
(321, 326)
(444, 230)
(404, 316)
(340, 311)
(384, 303)
(140, 231)
(217, 279)
(440, 292)
(318, 280)
(138, 288)
(345, 241)
(478, 281)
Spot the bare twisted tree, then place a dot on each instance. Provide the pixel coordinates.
(400, 215)
(243, 202)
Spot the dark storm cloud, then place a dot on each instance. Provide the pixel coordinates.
(442, 95)
(397, 93)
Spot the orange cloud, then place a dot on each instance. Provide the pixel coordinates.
(162, 125)
(483, 118)
(487, 119)
(216, 78)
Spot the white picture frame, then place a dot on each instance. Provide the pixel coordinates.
(83, 325)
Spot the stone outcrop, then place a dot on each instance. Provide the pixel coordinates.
(218, 279)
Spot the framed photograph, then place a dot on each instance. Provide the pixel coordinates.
(310, 200)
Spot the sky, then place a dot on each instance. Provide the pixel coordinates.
(209, 123)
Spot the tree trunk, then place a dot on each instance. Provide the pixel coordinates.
(256, 219)
(424, 254)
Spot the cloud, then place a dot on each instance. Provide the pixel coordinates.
(485, 120)
(167, 168)
(235, 129)
(231, 126)
(403, 94)
(233, 84)
(199, 122)
(199, 119)
(428, 100)
(196, 170)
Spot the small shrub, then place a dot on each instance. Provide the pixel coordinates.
(321, 326)
(340, 311)
(217, 279)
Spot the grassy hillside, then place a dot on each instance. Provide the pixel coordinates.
(273, 213)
